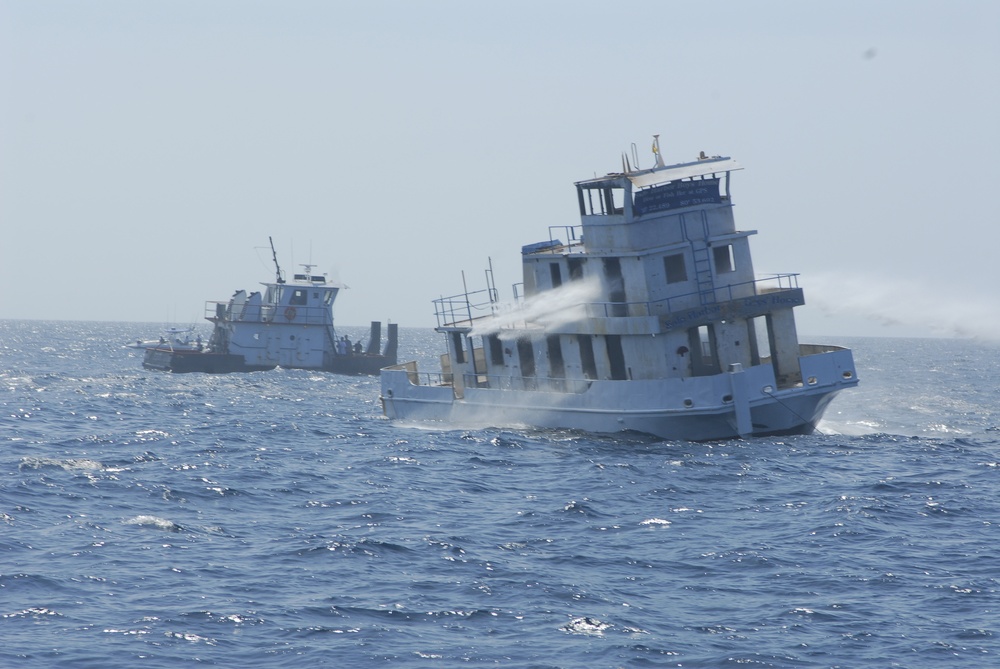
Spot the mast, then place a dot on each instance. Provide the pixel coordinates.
(277, 268)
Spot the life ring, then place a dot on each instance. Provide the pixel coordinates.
(290, 313)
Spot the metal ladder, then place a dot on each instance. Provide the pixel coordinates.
(703, 274)
(702, 260)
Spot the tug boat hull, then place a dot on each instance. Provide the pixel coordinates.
(697, 410)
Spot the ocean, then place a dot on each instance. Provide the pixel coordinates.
(276, 519)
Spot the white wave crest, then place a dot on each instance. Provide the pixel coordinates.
(154, 522)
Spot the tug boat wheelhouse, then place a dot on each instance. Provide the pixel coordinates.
(289, 325)
(648, 318)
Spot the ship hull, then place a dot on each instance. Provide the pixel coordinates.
(225, 363)
(721, 406)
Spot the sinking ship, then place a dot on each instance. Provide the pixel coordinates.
(289, 324)
(645, 317)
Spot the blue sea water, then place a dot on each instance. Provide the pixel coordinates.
(275, 519)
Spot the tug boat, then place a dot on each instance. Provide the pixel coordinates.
(289, 325)
(648, 318)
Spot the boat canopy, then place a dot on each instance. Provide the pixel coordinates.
(662, 175)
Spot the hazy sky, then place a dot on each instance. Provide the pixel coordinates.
(148, 149)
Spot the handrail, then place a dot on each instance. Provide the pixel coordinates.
(782, 282)
(459, 308)
(572, 233)
(456, 309)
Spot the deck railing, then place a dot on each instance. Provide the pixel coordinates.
(768, 284)
(465, 308)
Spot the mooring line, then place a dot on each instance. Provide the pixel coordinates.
(797, 414)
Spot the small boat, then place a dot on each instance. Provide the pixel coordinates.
(289, 324)
(647, 318)
(173, 338)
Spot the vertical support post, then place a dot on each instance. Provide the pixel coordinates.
(741, 399)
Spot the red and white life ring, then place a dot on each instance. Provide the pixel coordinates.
(290, 313)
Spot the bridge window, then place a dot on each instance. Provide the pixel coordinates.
(601, 201)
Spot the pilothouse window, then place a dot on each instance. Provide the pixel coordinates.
(602, 201)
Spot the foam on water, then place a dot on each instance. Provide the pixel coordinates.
(154, 522)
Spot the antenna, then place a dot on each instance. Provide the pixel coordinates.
(491, 284)
(277, 267)
(656, 151)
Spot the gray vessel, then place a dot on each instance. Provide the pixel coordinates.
(648, 317)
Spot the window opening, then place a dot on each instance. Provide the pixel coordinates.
(609, 200)
(616, 356)
(616, 285)
(587, 360)
(557, 368)
(760, 349)
(704, 360)
(526, 356)
(724, 260)
(456, 340)
(675, 268)
(555, 274)
(496, 349)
